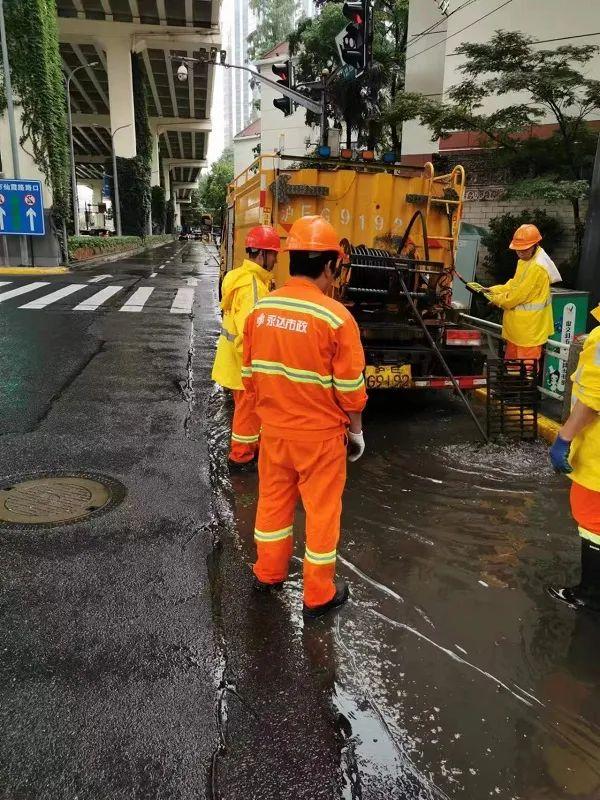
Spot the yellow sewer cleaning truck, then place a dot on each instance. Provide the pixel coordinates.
(399, 226)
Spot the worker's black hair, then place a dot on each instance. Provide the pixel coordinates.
(311, 265)
(252, 252)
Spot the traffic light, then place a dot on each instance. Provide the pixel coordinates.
(283, 71)
(355, 47)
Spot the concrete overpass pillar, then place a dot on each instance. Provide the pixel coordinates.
(177, 215)
(167, 181)
(96, 187)
(120, 91)
(26, 163)
(155, 174)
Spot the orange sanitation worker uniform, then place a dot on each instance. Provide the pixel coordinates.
(303, 366)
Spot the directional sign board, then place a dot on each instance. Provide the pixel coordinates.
(21, 207)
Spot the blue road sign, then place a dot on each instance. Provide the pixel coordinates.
(21, 207)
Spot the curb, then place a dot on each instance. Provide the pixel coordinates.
(547, 428)
(34, 270)
(107, 258)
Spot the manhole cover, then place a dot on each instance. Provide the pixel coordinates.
(56, 499)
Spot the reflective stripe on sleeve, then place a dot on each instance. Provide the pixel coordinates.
(348, 385)
(231, 337)
(591, 536)
(533, 306)
(236, 437)
(292, 374)
(320, 559)
(246, 372)
(302, 306)
(273, 536)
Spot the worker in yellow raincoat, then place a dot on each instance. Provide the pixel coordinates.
(242, 288)
(576, 453)
(526, 299)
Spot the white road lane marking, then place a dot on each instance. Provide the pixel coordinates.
(184, 300)
(5, 283)
(138, 299)
(96, 300)
(99, 278)
(192, 281)
(162, 266)
(53, 297)
(153, 274)
(30, 287)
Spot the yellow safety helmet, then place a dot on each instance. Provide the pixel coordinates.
(595, 312)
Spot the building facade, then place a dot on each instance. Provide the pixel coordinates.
(237, 24)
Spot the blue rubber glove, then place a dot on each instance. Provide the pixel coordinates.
(559, 455)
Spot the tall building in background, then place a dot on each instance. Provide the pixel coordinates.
(307, 8)
(238, 95)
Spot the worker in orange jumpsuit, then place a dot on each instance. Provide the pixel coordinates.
(576, 453)
(303, 366)
(526, 299)
(242, 288)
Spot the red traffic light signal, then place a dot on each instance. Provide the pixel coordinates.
(355, 49)
(283, 71)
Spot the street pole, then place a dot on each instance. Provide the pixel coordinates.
(116, 190)
(10, 110)
(74, 197)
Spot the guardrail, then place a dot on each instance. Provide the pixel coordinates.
(557, 349)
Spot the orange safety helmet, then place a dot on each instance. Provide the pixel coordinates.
(525, 237)
(313, 234)
(263, 237)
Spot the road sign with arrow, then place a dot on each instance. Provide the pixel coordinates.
(21, 207)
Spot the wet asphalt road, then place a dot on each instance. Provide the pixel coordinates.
(136, 663)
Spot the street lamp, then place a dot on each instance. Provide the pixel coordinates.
(74, 197)
(116, 178)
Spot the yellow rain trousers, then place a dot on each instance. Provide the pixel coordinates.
(527, 304)
(585, 448)
(242, 289)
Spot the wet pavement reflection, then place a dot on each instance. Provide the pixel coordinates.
(451, 673)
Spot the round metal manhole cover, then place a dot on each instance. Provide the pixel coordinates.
(56, 498)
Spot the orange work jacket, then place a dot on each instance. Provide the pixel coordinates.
(303, 363)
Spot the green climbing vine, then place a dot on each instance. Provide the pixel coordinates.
(37, 79)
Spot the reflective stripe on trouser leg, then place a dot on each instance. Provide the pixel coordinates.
(321, 487)
(277, 498)
(245, 429)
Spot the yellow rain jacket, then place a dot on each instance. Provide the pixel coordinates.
(527, 303)
(585, 448)
(242, 288)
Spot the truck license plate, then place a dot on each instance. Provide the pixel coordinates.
(397, 377)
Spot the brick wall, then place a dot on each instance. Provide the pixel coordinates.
(483, 204)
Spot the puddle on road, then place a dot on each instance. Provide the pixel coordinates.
(451, 672)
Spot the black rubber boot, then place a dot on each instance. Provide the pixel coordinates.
(342, 593)
(586, 595)
(259, 586)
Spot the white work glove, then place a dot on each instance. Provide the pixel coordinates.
(356, 445)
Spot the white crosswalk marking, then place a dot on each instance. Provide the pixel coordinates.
(47, 299)
(184, 300)
(5, 283)
(99, 278)
(29, 287)
(92, 303)
(153, 274)
(138, 299)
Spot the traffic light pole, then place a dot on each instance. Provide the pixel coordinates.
(297, 97)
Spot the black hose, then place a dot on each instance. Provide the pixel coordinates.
(436, 349)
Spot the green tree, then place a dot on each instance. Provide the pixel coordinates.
(213, 187)
(552, 84)
(275, 21)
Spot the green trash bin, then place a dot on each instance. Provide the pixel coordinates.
(570, 309)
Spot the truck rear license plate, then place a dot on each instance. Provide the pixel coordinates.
(397, 377)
